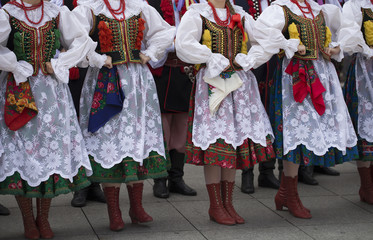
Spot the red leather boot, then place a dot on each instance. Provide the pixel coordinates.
(43, 205)
(227, 196)
(115, 215)
(25, 205)
(280, 198)
(217, 212)
(137, 212)
(292, 198)
(366, 185)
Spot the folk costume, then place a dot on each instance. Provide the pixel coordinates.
(357, 40)
(119, 108)
(174, 86)
(311, 122)
(264, 76)
(228, 127)
(44, 152)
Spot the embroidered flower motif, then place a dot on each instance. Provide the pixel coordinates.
(318, 139)
(203, 133)
(368, 125)
(220, 126)
(108, 152)
(33, 169)
(127, 144)
(151, 138)
(302, 132)
(92, 143)
(330, 136)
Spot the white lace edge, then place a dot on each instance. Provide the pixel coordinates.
(237, 143)
(120, 159)
(321, 153)
(363, 136)
(70, 177)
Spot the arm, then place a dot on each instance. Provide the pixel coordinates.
(333, 19)
(8, 61)
(189, 49)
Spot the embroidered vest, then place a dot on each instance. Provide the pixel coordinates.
(367, 16)
(224, 40)
(120, 40)
(23, 41)
(312, 33)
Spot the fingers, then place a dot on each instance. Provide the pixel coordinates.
(49, 68)
(108, 62)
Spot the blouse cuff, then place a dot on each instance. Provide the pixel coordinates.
(151, 53)
(291, 47)
(368, 52)
(61, 73)
(22, 71)
(340, 55)
(96, 60)
(245, 62)
(215, 65)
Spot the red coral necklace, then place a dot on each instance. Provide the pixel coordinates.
(307, 7)
(25, 9)
(120, 10)
(216, 17)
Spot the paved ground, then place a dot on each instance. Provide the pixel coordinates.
(336, 209)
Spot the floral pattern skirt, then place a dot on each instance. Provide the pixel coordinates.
(155, 166)
(54, 186)
(223, 154)
(352, 100)
(300, 155)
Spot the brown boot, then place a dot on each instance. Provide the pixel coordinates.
(43, 205)
(227, 195)
(366, 185)
(280, 198)
(31, 230)
(137, 212)
(115, 215)
(217, 212)
(293, 202)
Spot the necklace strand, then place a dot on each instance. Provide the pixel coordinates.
(32, 7)
(120, 10)
(216, 17)
(308, 7)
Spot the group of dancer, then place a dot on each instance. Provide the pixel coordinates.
(161, 92)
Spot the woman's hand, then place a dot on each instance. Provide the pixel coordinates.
(144, 59)
(332, 51)
(301, 49)
(49, 68)
(108, 62)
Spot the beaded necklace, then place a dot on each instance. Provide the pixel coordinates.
(25, 9)
(120, 10)
(216, 17)
(307, 7)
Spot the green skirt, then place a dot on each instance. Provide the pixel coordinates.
(54, 186)
(155, 166)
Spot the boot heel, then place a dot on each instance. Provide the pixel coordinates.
(279, 206)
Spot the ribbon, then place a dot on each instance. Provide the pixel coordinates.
(306, 81)
(236, 20)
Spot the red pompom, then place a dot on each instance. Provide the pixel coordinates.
(105, 35)
(74, 73)
(75, 3)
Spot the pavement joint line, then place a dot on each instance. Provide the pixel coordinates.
(90, 224)
(342, 196)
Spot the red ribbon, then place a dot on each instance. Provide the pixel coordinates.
(236, 20)
(306, 81)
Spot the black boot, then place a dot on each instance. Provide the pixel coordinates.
(305, 175)
(160, 189)
(326, 171)
(176, 182)
(247, 182)
(95, 193)
(4, 211)
(80, 198)
(266, 177)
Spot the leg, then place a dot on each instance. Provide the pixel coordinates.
(111, 191)
(366, 182)
(217, 212)
(266, 177)
(25, 205)
(43, 205)
(160, 189)
(247, 181)
(4, 211)
(287, 195)
(137, 212)
(227, 186)
(306, 175)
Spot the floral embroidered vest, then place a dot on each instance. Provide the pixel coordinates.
(367, 17)
(312, 33)
(223, 40)
(23, 41)
(120, 40)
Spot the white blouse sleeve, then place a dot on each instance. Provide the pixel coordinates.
(333, 19)
(268, 32)
(190, 50)
(8, 61)
(158, 34)
(256, 56)
(351, 37)
(77, 42)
